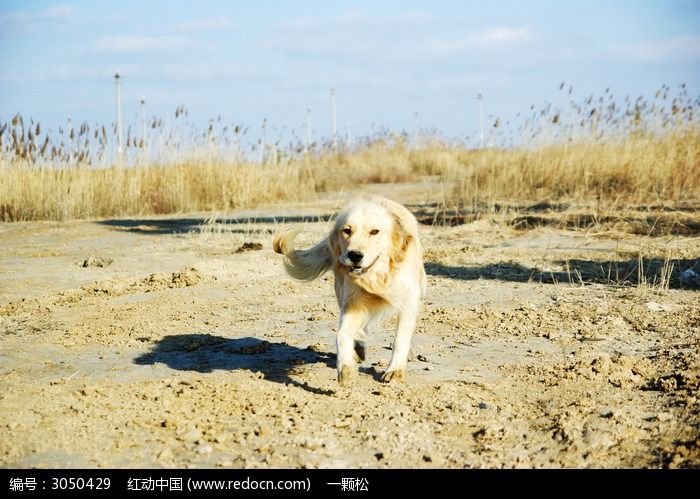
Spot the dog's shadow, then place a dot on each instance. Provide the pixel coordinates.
(205, 353)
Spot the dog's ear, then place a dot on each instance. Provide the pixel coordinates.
(334, 242)
(400, 240)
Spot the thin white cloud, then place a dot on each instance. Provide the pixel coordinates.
(379, 44)
(193, 71)
(313, 44)
(214, 23)
(184, 71)
(455, 81)
(504, 35)
(680, 48)
(499, 36)
(57, 12)
(143, 44)
(57, 73)
(354, 19)
(30, 21)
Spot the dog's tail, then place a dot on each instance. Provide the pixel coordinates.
(304, 265)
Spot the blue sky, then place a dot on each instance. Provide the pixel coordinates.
(387, 60)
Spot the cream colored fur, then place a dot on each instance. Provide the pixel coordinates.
(386, 276)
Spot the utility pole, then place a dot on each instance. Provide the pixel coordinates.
(145, 130)
(308, 129)
(69, 139)
(262, 141)
(480, 98)
(333, 124)
(120, 141)
(416, 140)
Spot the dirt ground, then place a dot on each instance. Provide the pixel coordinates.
(170, 342)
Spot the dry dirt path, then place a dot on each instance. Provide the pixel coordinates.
(172, 349)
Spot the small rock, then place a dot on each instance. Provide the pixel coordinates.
(190, 436)
(656, 307)
(169, 423)
(203, 449)
(188, 277)
(193, 345)
(309, 443)
(643, 367)
(483, 405)
(598, 439)
(551, 335)
(602, 364)
(221, 438)
(249, 247)
(689, 274)
(96, 261)
(318, 347)
(422, 358)
(666, 383)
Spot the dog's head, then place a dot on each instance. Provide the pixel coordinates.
(367, 236)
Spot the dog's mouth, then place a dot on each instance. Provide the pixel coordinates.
(358, 270)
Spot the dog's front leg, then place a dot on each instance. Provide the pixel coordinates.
(351, 323)
(402, 345)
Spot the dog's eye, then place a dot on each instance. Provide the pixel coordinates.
(347, 231)
(374, 232)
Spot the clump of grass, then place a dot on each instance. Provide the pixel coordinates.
(79, 192)
(594, 152)
(438, 158)
(639, 169)
(31, 192)
(385, 160)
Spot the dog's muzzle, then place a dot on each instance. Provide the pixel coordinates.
(357, 270)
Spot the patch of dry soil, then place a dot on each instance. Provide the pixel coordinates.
(193, 348)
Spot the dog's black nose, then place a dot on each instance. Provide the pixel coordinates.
(355, 256)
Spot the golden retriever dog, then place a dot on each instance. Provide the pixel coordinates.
(377, 260)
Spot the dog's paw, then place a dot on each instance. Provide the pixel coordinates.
(359, 352)
(345, 374)
(394, 375)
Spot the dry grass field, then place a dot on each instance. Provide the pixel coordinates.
(594, 155)
(647, 172)
(146, 322)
